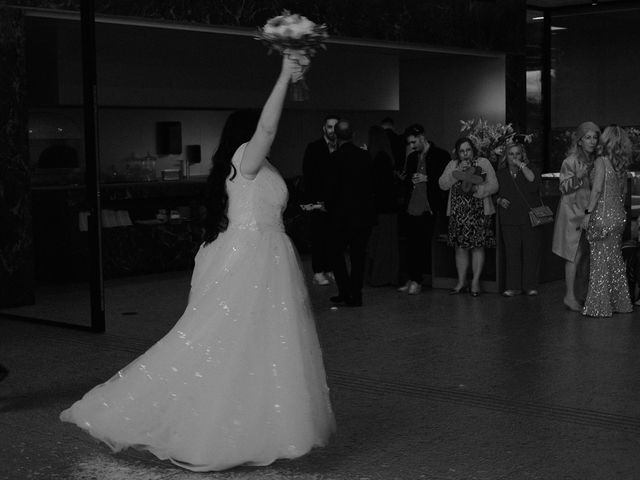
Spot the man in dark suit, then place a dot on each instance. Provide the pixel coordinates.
(351, 213)
(398, 146)
(425, 202)
(315, 172)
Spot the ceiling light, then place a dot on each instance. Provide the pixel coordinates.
(537, 18)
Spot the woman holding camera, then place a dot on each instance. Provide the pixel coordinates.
(519, 191)
(471, 181)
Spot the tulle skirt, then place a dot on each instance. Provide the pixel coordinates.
(239, 380)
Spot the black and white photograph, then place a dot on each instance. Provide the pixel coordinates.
(320, 240)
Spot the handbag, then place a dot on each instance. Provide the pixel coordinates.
(540, 215)
(537, 215)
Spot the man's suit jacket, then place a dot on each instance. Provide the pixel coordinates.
(435, 163)
(350, 201)
(315, 171)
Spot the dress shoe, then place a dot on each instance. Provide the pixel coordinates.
(414, 289)
(339, 299)
(511, 293)
(405, 287)
(320, 279)
(532, 293)
(456, 291)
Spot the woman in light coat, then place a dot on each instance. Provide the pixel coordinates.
(575, 186)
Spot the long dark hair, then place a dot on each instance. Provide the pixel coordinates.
(238, 129)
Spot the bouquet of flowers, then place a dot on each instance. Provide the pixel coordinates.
(297, 33)
(490, 139)
(634, 136)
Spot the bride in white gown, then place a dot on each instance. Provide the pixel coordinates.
(239, 380)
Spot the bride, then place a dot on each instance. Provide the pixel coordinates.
(239, 380)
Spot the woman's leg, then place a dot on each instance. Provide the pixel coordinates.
(462, 265)
(570, 269)
(531, 241)
(513, 256)
(477, 263)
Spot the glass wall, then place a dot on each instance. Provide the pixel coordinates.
(595, 67)
(535, 61)
(58, 191)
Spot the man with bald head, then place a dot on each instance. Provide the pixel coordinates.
(351, 214)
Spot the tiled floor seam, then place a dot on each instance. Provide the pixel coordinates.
(584, 417)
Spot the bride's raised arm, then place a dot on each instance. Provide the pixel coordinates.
(258, 147)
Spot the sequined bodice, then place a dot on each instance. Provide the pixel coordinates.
(609, 210)
(256, 204)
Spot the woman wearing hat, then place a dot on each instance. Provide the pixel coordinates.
(471, 181)
(575, 187)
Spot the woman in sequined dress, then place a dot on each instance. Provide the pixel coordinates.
(470, 211)
(575, 186)
(239, 380)
(604, 222)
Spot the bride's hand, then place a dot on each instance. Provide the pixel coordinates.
(296, 63)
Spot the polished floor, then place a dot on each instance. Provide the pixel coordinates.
(429, 386)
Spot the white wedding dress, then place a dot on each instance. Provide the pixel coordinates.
(239, 380)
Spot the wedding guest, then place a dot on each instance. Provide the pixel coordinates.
(424, 202)
(382, 253)
(351, 214)
(519, 190)
(604, 220)
(315, 174)
(471, 181)
(575, 187)
(396, 142)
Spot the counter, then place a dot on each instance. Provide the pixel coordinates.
(136, 240)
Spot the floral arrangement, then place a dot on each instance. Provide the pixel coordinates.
(491, 138)
(634, 136)
(293, 32)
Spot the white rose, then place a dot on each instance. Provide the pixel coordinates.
(306, 25)
(278, 31)
(296, 31)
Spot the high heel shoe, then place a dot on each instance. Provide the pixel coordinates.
(572, 305)
(456, 291)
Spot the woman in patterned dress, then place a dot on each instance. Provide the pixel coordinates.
(603, 222)
(469, 210)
